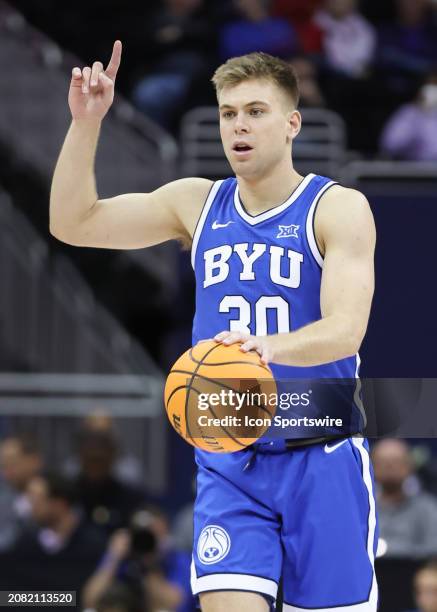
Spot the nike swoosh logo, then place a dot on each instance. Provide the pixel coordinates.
(331, 449)
(216, 225)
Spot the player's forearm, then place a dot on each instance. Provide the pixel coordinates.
(73, 190)
(323, 341)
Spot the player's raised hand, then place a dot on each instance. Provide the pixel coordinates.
(92, 89)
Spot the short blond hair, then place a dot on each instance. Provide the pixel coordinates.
(257, 65)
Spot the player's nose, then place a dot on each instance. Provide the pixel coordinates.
(241, 125)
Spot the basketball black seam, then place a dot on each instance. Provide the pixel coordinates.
(173, 392)
(212, 412)
(257, 365)
(228, 434)
(191, 384)
(169, 398)
(226, 431)
(214, 382)
(220, 426)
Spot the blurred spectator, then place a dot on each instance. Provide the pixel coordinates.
(425, 588)
(183, 531)
(168, 565)
(183, 527)
(108, 575)
(144, 558)
(62, 552)
(20, 461)
(126, 467)
(107, 501)
(310, 93)
(349, 40)
(300, 14)
(180, 44)
(254, 29)
(425, 453)
(119, 598)
(410, 133)
(407, 519)
(408, 45)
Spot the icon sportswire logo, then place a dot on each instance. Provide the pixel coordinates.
(213, 545)
(331, 449)
(217, 225)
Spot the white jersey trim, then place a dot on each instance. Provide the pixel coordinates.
(362, 607)
(359, 443)
(310, 225)
(273, 211)
(201, 222)
(232, 582)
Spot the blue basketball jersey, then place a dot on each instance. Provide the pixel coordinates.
(306, 514)
(261, 274)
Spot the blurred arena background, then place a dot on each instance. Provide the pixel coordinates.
(87, 336)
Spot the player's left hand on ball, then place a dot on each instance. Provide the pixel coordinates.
(260, 344)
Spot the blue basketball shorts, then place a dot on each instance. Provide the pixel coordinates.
(305, 514)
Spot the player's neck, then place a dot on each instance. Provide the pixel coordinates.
(261, 194)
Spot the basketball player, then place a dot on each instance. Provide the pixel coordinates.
(283, 265)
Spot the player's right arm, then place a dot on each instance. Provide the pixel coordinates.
(128, 221)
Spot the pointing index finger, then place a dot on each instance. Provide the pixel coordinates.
(114, 62)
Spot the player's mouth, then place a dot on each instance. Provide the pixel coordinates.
(241, 149)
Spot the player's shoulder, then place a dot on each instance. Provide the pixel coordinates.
(342, 203)
(342, 210)
(195, 189)
(185, 198)
(338, 196)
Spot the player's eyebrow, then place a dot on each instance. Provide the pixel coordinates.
(255, 102)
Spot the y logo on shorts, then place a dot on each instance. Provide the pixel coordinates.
(213, 545)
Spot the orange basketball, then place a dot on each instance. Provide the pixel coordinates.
(219, 398)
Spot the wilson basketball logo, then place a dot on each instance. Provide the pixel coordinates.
(213, 545)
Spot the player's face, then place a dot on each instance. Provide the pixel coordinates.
(257, 125)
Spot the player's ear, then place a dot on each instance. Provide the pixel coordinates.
(294, 123)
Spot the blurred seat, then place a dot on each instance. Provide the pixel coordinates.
(48, 313)
(64, 354)
(395, 582)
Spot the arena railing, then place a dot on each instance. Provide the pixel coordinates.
(53, 406)
(50, 315)
(392, 178)
(63, 355)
